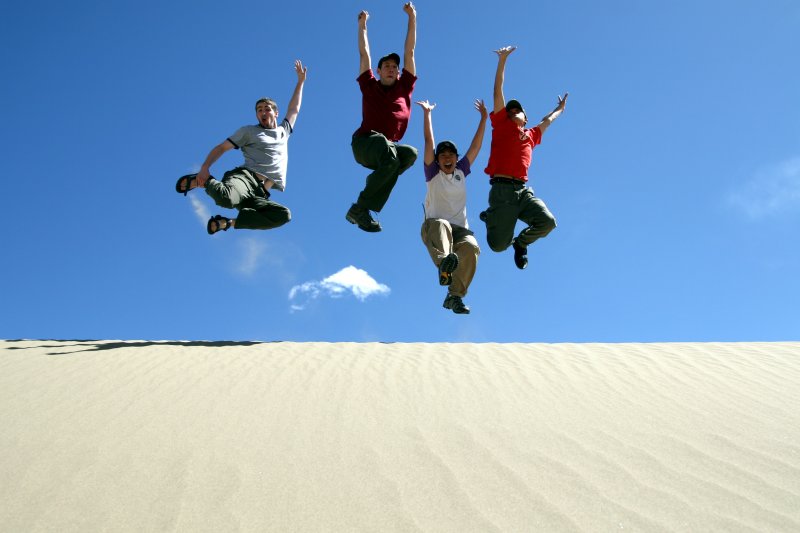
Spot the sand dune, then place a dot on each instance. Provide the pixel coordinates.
(204, 436)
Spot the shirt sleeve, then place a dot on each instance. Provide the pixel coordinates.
(408, 80)
(431, 170)
(464, 166)
(498, 118)
(536, 135)
(239, 138)
(288, 127)
(364, 79)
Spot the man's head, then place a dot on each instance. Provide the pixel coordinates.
(389, 69)
(516, 112)
(446, 155)
(267, 112)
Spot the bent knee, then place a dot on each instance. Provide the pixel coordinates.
(498, 246)
(549, 225)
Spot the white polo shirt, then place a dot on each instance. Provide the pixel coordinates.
(447, 193)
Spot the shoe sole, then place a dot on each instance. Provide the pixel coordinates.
(464, 311)
(351, 219)
(446, 268)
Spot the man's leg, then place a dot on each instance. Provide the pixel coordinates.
(234, 188)
(406, 156)
(262, 213)
(467, 249)
(539, 219)
(501, 217)
(437, 235)
(387, 160)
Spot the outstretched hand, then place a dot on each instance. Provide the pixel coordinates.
(481, 107)
(301, 70)
(362, 19)
(562, 102)
(426, 105)
(505, 51)
(408, 7)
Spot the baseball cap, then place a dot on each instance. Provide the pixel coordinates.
(394, 57)
(445, 146)
(514, 104)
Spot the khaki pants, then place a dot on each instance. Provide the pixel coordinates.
(441, 239)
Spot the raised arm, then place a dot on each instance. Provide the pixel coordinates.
(554, 114)
(297, 97)
(411, 39)
(211, 158)
(365, 63)
(427, 126)
(477, 140)
(499, 77)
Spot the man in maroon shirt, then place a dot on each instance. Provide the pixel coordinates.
(386, 108)
(510, 199)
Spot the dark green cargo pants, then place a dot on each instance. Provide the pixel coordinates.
(241, 189)
(387, 160)
(509, 203)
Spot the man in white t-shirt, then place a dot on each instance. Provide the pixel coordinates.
(247, 188)
(445, 231)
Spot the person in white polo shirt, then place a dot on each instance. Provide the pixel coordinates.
(445, 231)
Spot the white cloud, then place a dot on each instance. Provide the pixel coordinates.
(200, 209)
(773, 190)
(252, 252)
(349, 280)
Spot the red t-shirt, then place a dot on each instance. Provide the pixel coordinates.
(385, 109)
(512, 147)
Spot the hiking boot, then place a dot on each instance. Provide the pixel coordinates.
(456, 304)
(446, 268)
(520, 255)
(358, 215)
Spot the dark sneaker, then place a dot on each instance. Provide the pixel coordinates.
(446, 268)
(358, 215)
(520, 255)
(456, 304)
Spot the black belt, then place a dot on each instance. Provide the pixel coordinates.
(510, 181)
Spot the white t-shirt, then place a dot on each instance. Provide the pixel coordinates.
(447, 193)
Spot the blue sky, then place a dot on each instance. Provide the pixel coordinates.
(674, 173)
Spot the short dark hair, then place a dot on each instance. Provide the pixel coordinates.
(269, 101)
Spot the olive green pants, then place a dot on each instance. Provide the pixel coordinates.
(241, 189)
(387, 160)
(509, 203)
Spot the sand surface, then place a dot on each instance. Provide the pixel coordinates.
(239, 436)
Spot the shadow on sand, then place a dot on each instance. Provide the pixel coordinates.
(97, 345)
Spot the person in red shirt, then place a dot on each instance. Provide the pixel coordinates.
(510, 199)
(386, 108)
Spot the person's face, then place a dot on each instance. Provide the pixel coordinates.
(447, 161)
(267, 116)
(389, 72)
(517, 116)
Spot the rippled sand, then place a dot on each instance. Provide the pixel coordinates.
(228, 436)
